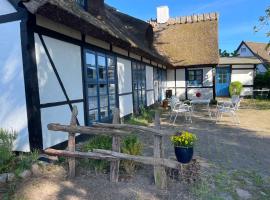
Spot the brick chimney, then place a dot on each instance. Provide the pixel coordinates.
(95, 6)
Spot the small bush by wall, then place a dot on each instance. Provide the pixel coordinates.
(97, 142)
(262, 80)
(131, 145)
(235, 88)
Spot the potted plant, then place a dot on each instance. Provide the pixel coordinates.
(183, 146)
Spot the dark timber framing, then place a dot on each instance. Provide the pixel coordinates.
(31, 82)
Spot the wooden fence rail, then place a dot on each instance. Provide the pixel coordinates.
(117, 131)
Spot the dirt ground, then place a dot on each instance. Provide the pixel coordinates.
(230, 156)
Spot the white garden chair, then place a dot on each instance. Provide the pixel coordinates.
(179, 108)
(229, 108)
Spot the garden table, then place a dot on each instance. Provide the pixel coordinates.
(203, 102)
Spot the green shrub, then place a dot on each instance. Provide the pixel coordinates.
(131, 145)
(25, 161)
(262, 80)
(7, 157)
(97, 142)
(235, 88)
(147, 114)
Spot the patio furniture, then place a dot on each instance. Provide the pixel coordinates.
(230, 108)
(179, 108)
(203, 102)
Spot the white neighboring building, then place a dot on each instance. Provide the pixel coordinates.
(258, 50)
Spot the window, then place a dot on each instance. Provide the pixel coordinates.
(243, 50)
(139, 85)
(195, 77)
(101, 89)
(81, 3)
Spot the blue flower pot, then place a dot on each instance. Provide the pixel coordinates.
(183, 154)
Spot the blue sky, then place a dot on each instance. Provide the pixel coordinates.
(236, 22)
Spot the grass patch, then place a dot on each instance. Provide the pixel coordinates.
(97, 142)
(260, 104)
(223, 184)
(144, 119)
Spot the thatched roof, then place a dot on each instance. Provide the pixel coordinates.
(188, 41)
(238, 60)
(110, 25)
(258, 49)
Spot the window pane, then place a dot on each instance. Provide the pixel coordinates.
(103, 101)
(111, 68)
(103, 112)
(103, 89)
(101, 68)
(112, 100)
(111, 88)
(92, 90)
(90, 59)
(93, 115)
(92, 101)
(91, 72)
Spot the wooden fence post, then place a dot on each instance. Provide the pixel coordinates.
(114, 165)
(159, 171)
(72, 143)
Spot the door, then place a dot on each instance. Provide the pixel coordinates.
(100, 70)
(223, 79)
(139, 86)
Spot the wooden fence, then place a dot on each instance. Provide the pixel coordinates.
(117, 131)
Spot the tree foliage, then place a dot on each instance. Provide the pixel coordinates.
(224, 53)
(264, 22)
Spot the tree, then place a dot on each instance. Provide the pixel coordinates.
(227, 54)
(264, 22)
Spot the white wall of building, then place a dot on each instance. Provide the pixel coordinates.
(246, 77)
(171, 80)
(6, 7)
(61, 115)
(149, 85)
(13, 114)
(67, 60)
(124, 86)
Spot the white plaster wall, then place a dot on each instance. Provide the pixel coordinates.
(207, 76)
(149, 78)
(170, 78)
(243, 66)
(180, 78)
(156, 90)
(206, 93)
(44, 22)
(61, 115)
(243, 76)
(125, 105)
(124, 74)
(248, 53)
(13, 114)
(6, 7)
(150, 98)
(67, 59)
(181, 93)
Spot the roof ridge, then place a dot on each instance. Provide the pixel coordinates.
(189, 19)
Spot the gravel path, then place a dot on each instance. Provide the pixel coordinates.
(220, 146)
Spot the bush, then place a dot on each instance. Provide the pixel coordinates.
(131, 145)
(262, 80)
(97, 142)
(7, 157)
(235, 88)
